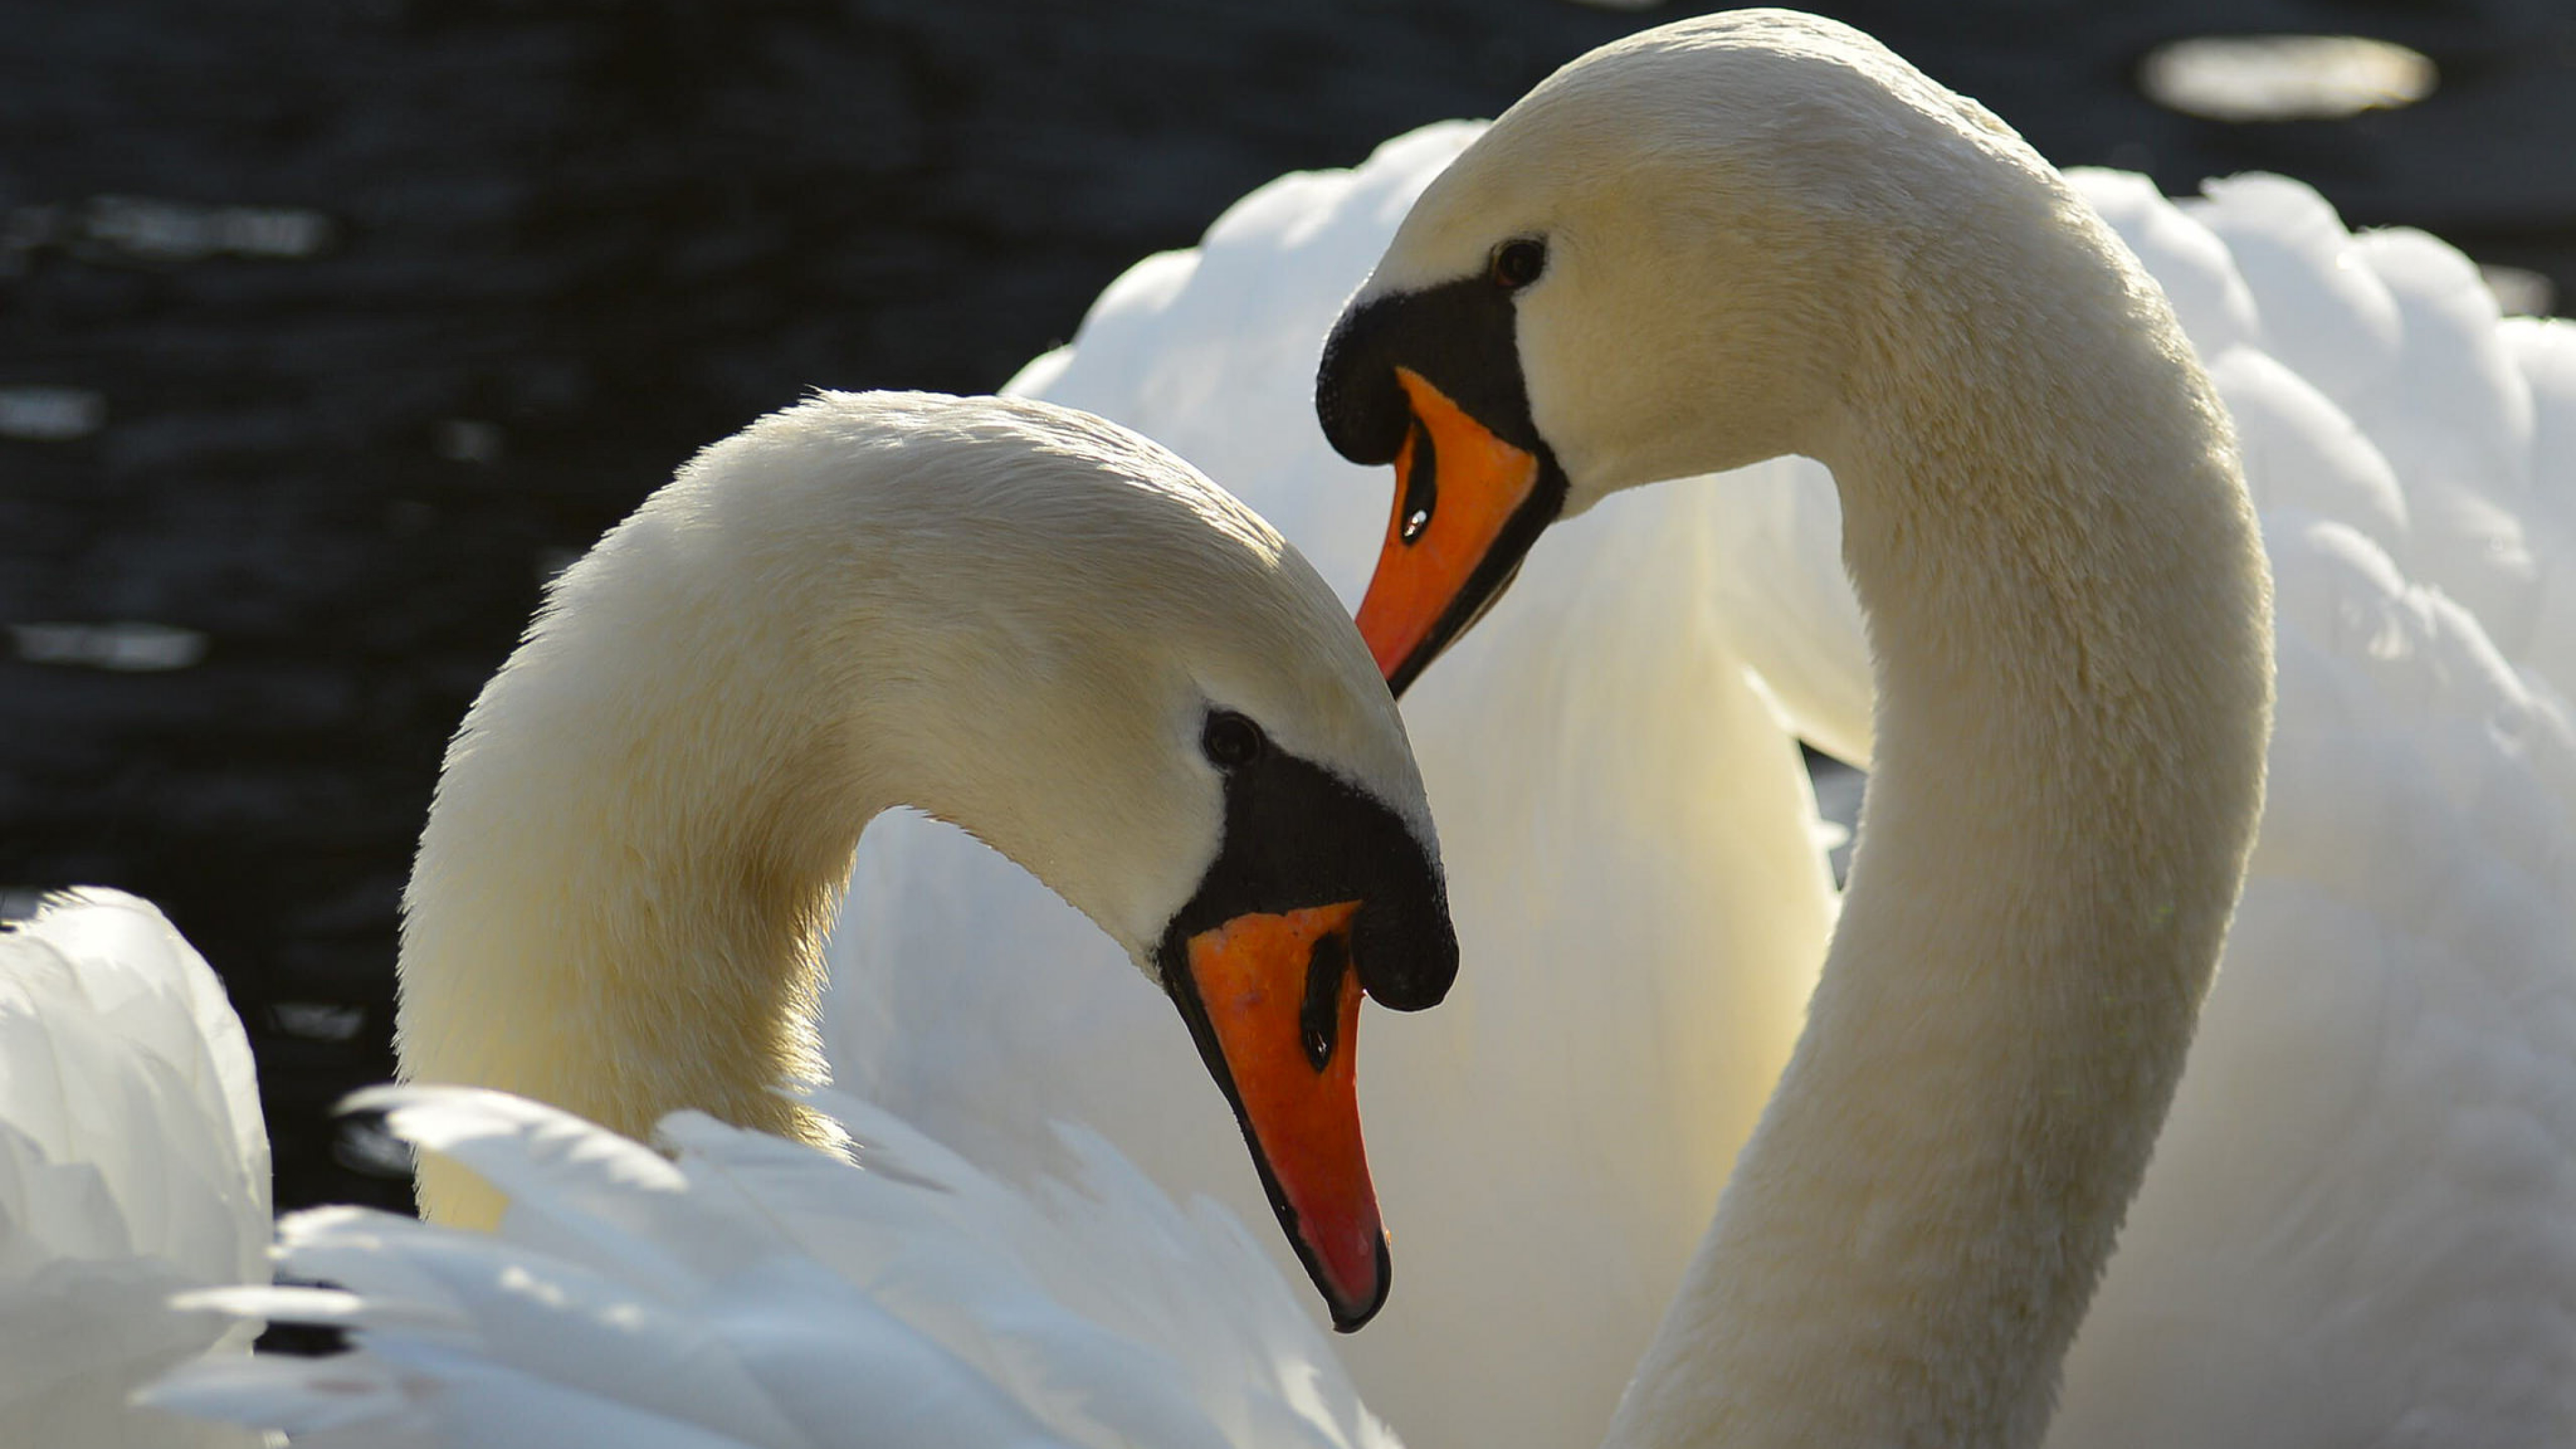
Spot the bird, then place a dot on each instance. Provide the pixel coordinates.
(1761, 234)
(1008, 614)
(1026, 620)
(133, 1166)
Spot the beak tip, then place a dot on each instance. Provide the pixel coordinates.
(1351, 1317)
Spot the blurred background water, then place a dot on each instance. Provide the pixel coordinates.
(330, 328)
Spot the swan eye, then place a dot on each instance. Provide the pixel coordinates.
(1518, 262)
(1229, 740)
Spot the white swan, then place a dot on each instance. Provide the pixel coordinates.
(1010, 615)
(1005, 611)
(1760, 233)
(133, 1165)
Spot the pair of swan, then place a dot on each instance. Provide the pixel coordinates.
(2416, 678)
(1921, 1197)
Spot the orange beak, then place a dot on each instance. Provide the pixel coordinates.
(1456, 487)
(1283, 1003)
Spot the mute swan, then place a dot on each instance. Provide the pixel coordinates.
(1092, 602)
(1760, 233)
(133, 1165)
(1010, 615)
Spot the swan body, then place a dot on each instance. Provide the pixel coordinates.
(1641, 894)
(133, 1166)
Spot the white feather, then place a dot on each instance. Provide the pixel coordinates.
(747, 1290)
(133, 1166)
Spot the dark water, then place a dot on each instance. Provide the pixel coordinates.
(328, 327)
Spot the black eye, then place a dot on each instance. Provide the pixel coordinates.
(1518, 262)
(1229, 740)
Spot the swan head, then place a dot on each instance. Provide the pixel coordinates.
(1668, 259)
(1057, 635)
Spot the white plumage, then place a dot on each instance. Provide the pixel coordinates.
(749, 1291)
(2361, 1222)
(133, 1165)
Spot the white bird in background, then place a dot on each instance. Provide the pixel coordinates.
(133, 1165)
(2361, 1222)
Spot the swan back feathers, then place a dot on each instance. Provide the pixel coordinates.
(133, 1165)
(747, 1291)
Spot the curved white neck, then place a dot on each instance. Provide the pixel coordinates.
(1008, 614)
(636, 848)
(2070, 614)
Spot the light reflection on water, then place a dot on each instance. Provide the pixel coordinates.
(149, 229)
(467, 440)
(2285, 77)
(127, 647)
(318, 1020)
(50, 414)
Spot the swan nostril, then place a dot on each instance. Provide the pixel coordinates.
(1320, 1022)
(1419, 467)
(1357, 401)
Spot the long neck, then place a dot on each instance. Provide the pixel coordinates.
(2069, 611)
(635, 850)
